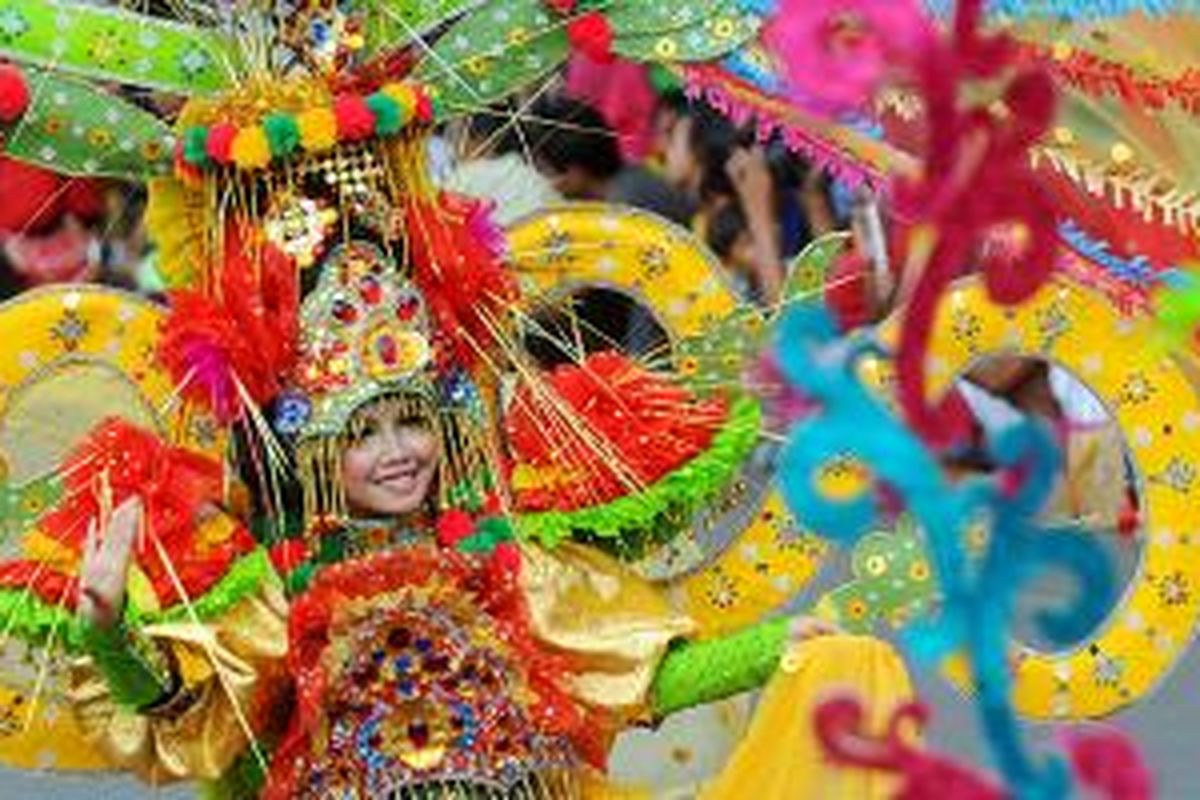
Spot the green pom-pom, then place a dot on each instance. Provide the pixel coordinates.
(195, 146)
(437, 107)
(283, 134)
(389, 118)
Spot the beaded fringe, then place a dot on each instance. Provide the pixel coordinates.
(548, 785)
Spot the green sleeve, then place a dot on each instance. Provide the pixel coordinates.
(137, 670)
(695, 673)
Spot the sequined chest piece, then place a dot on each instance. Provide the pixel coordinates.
(424, 694)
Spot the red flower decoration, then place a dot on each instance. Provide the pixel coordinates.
(561, 6)
(14, 94)
(592, 35)
(175, 486)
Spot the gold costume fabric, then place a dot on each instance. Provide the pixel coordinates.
(613, 627)
(612, 624)
(232, 674)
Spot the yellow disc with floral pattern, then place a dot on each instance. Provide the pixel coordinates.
(75, 355)
(1155, 406)
(672, 274)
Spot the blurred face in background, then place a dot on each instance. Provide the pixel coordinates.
(68, 254)
(681, 167)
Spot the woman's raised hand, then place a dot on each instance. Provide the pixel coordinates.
(107, 553)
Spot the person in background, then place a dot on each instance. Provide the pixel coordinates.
(49, 228)
(623, 94)
(492, 166)
(578, 152)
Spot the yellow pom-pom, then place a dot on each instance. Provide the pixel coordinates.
(318, 130)
(404, 96)
(250, 149)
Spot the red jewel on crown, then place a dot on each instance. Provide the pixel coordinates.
(370, 290)
(345, 312)
(407, 308)
(385, 345)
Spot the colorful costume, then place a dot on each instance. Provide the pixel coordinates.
(274, 641)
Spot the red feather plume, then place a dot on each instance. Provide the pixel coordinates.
(457, 255)
(245, 333)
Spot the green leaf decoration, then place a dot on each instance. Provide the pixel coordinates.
(498, 49)
(113, 44)
(641, 17)
(246, 576)
(724, 28)
(74, 128)
(892, 583)
(807, 272)
(393, 24)
(717, 358)
(35, 622)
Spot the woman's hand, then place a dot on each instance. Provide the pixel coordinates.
(107, 553)
(804, 628)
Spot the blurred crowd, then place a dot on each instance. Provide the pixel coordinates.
(604, 132)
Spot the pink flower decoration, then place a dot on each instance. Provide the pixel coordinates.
(835, 54)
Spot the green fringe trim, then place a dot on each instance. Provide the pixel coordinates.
(35, 622)
(27, 617)
(245, 578)
(630, 525)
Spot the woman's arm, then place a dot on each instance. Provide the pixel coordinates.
(139, 671)
(696, 673)
(183, 697)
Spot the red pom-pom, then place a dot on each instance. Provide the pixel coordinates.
(220, 142)
(561, 6)
(14, 94)
(355, 120)
(592, 35)
(424, 109)
(454, 526)
(289, 554)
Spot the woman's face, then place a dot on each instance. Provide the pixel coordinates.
(390, 465)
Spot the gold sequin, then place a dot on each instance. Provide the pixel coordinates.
(666, 47)
(476, 65)
(724, 28)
